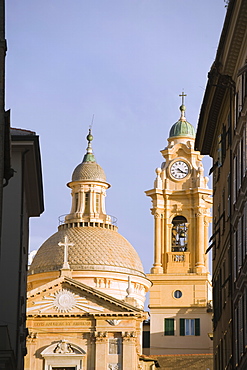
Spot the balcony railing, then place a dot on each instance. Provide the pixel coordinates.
(61, 219)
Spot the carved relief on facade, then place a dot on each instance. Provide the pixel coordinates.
(32, 336)
(113, 322)
(113, 366)
(63, 347)
(64, 301)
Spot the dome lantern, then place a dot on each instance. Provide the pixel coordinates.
(88, 190)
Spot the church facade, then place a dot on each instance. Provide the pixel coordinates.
(180, 297)
(86, 287)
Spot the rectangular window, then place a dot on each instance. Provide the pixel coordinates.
(235, 241)
(236, 110)
(229, 124)
(245, 152)
(97, 204)
(76, 201)
(239, 246)
(245, 227)
(190, 327)
(169, 326)
(245, 315)
(114, 346)
(240, 327)
(220, 150)
(242, 143)
(239, 169)
(228, 195)
(236, 337)
(235, 170)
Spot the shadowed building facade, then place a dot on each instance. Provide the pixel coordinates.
(222, 134)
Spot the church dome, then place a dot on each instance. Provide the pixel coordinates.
(87, 171)
(92, 249)
(182, 127)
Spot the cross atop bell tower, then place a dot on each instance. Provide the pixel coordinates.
(181, 203)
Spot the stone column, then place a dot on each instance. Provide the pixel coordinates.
(129, 360)
(101, 350)
(157, 266)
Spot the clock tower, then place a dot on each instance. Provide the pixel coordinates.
(180, 301)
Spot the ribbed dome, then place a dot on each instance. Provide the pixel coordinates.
(89, 171)
(182, 128)
(94, 249)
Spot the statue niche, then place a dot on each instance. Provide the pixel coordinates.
(179, 234)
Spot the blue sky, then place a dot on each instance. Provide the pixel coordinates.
(123, 61)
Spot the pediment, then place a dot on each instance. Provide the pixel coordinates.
(68, 296)
(62, 347)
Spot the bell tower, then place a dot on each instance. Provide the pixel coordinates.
(180, 302)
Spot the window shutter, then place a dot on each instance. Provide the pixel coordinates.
(197, 327)
(182, 327)
(169, 326)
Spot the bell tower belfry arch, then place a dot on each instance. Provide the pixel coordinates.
(181, 202)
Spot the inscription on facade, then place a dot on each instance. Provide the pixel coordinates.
(61, 323)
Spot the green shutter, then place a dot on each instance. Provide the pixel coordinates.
(169, 326)
(182, 326)
(197, 327)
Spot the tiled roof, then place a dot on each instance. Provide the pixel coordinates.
(94, 248)
(183, 362)
(89, 171)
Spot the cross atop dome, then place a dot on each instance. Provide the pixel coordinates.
(182, 107)
(66, 244)
(182, 127)
(183, 95)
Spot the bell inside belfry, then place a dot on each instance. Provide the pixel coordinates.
(179, 234)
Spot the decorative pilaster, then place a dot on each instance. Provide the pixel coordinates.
(129, 350)
(31, 343)
(157, 266)
(101, 349)
(200, 267)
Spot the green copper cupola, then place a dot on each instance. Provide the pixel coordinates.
(89, 156)
(182, 127)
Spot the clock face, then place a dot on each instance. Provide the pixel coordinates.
(179, 170)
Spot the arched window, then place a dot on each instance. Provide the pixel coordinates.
(87, 204)
(179, 234)
(76, 201)
(97, 202)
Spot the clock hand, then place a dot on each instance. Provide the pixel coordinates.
(182, 171)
